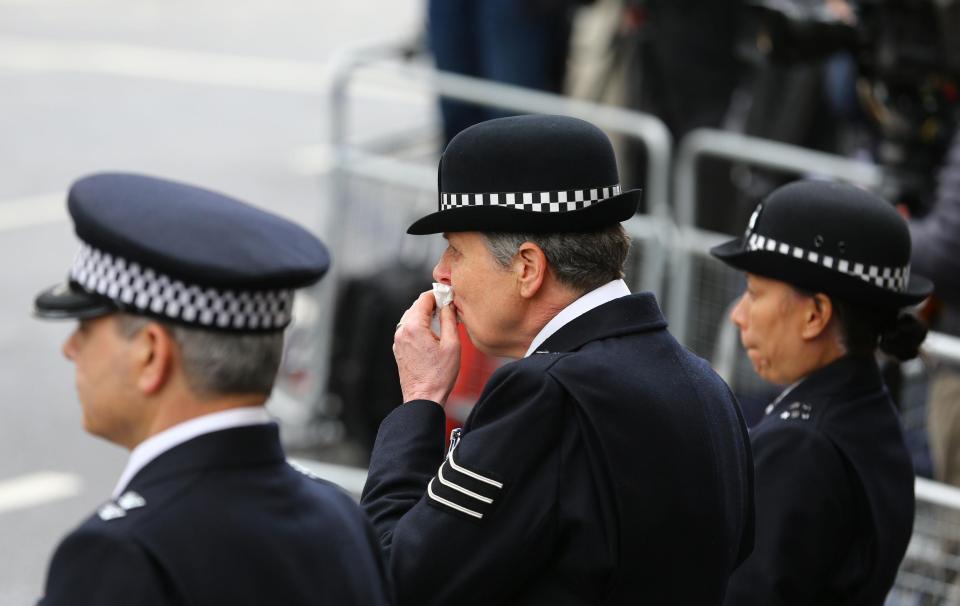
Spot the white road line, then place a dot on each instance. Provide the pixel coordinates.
(32, 210)
(183, 66)
(37, 488)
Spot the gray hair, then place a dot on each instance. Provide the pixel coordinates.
(219, 363)
(582, 261)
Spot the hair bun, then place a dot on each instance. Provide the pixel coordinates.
(903, 337)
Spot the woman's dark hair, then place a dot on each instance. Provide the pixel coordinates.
(896, 332)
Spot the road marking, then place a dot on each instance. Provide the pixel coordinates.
(184, 66)
(41, 209)
(37, 488)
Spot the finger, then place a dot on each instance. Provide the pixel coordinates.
(421, 312)
(448, 325)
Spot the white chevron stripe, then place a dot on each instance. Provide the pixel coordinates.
(472, 474)
(459, 488)
(451, 504)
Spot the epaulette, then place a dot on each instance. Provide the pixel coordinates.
(112, 510)
(798, 411)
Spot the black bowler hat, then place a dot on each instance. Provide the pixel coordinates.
(529, 173)
(180, 253)
(832, 238)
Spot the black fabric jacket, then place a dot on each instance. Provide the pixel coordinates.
(610, 467)
(223, 520)
(834, 494)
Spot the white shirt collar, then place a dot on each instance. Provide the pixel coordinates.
(595, 298)
(157, 444)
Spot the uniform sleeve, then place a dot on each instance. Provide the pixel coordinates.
(803, 506)
(470, 528)
(93, 568)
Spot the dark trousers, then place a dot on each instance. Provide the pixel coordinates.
(520, 42)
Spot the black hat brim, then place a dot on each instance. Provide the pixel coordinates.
(816, 278)
(67, 301)
(497, 218)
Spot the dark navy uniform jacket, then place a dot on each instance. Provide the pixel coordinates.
(834, 494)
(611, 467)
(221, 519)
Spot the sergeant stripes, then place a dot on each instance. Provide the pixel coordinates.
(462, 490)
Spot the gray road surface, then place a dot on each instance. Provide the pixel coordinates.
(219, 93)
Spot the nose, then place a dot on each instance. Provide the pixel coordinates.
(738, 315)
(441, 271)
(69, 348)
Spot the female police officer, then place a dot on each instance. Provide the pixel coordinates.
(828, 273)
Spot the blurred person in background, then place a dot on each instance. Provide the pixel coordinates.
(521, 42)
(181, 297)
(936, 253)
(828, 277)
(606, 464)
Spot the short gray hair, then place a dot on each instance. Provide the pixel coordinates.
(219, 363)
(582, 261)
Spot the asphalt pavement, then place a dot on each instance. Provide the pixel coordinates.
(229, 95)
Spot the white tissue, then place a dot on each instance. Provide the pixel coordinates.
(443, 294)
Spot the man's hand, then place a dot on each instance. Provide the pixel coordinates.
(428, 365)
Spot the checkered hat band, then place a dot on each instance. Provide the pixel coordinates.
(538, 202)
(140, 288)
(894, 279)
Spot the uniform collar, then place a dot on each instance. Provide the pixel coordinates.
(595, 298)
(620, 316)
(850, 375)
(158, 444)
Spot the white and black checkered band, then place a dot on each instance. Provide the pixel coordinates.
(141, 288)
(894, 279)
(539, 202)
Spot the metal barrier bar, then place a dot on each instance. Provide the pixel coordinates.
(942, 495)
(942, 347)
(755, 152)
(347, 477)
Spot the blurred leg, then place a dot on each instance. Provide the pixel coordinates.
(943, 425)
(451, 29)
(525, 42)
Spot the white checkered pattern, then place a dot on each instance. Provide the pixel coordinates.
(141, 288)
(889, 278)
(539, 202)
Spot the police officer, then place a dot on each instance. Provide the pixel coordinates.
(606, 464)
(828, 272)
(181, 296)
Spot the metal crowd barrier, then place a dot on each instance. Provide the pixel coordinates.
(365, 182)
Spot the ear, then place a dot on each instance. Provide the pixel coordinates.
(817, 315)
(530, 265)
(154, 358)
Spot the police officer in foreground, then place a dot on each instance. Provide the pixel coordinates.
(606, 464)
(828, 276)
(181, 296)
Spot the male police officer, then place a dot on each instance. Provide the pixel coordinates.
(182, 295)
(607, 465)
